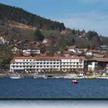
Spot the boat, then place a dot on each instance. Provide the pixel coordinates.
(15, 76)
(57, 77)
(39, 76)
(74, 81)
(35, 75)
(45, 77)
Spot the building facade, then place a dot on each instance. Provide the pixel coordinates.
(72, 64)
(48, 64)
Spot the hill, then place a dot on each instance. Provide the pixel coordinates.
(18, 24)
(22, 16)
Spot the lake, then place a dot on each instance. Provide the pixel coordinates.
(53, 88)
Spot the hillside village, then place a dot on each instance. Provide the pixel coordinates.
(48, 46)
(94, 60)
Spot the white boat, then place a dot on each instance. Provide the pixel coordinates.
(15, 76)
(58, 77)
(45, 77)
(39, 76)
(35, 76)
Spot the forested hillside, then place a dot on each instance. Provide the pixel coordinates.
(21, 16)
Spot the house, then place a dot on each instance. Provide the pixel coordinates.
(15, 50)
(92, 66)
(104, 47)
(35, 51)
(72, 49)
(107, 68)
(98, 55)
(79, 52)
(89, 53)
(95, 63)
(26, 52)
(45, 41)
(2, 40)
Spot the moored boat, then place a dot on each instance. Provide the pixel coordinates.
(40, 76)
(15, 76)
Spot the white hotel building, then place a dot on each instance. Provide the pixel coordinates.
(43, 63)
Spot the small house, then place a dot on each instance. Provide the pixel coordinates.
(26, 52)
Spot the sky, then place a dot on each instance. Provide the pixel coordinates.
(75, 14)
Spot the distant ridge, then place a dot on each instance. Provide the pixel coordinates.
(22, 16)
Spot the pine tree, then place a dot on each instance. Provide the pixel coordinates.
(38, 36)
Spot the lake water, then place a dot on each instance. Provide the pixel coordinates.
(53, 88)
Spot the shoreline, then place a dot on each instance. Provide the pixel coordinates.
(66, 76)
(77, 78)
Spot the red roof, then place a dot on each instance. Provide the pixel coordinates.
(46, 57)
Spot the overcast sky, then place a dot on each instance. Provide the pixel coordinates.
(78, 14)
